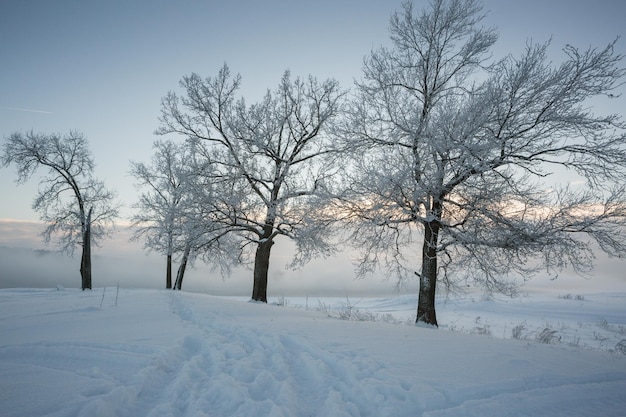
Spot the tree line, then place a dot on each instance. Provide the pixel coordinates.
(436, 164)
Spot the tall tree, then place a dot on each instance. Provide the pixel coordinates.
(461, 153)
(77, 208)
(268, 159)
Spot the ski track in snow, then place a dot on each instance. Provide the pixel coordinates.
(182, 354)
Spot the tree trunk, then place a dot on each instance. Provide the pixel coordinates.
(85, 262)
(261, 267)
(181, 269)
(428, 279)
(168, 272)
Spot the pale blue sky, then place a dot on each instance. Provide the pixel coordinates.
(101, 67)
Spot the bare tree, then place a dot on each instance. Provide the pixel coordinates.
(268, 159)
(462, 152)
(77, 207)
(175, 214)
(205, 233)
(160, 210)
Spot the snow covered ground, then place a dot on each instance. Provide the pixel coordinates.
(589, 321)
(163, 353)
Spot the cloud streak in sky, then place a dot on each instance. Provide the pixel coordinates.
(27, 110)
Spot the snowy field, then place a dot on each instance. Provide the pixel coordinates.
(589, 321)
(162, 353)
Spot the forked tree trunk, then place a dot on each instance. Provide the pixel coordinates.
(180, 275)
(261, 267)
(168, 272)
(181, 269)
(428, 279)
(85, 262)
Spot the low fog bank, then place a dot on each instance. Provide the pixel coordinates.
(39, 268)
(36, 268)
(25, 267)
(26, 262)
(22, 267)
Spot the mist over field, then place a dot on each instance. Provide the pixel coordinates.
(27, 262)
(30, 263)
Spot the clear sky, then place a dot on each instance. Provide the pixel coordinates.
(101, 67)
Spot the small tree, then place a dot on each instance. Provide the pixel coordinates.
(267, 160)
(458, 150)
(77, 208)
(160, 210)
(171, 214)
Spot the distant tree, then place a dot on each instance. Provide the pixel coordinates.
(170, 216)
(460, 152)
(267, 161)
(77, 208)
(161, 209)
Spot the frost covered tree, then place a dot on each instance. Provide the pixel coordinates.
(77, 208)
(161, 209)
(270, 159)
(174, 214)
(460, 151)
